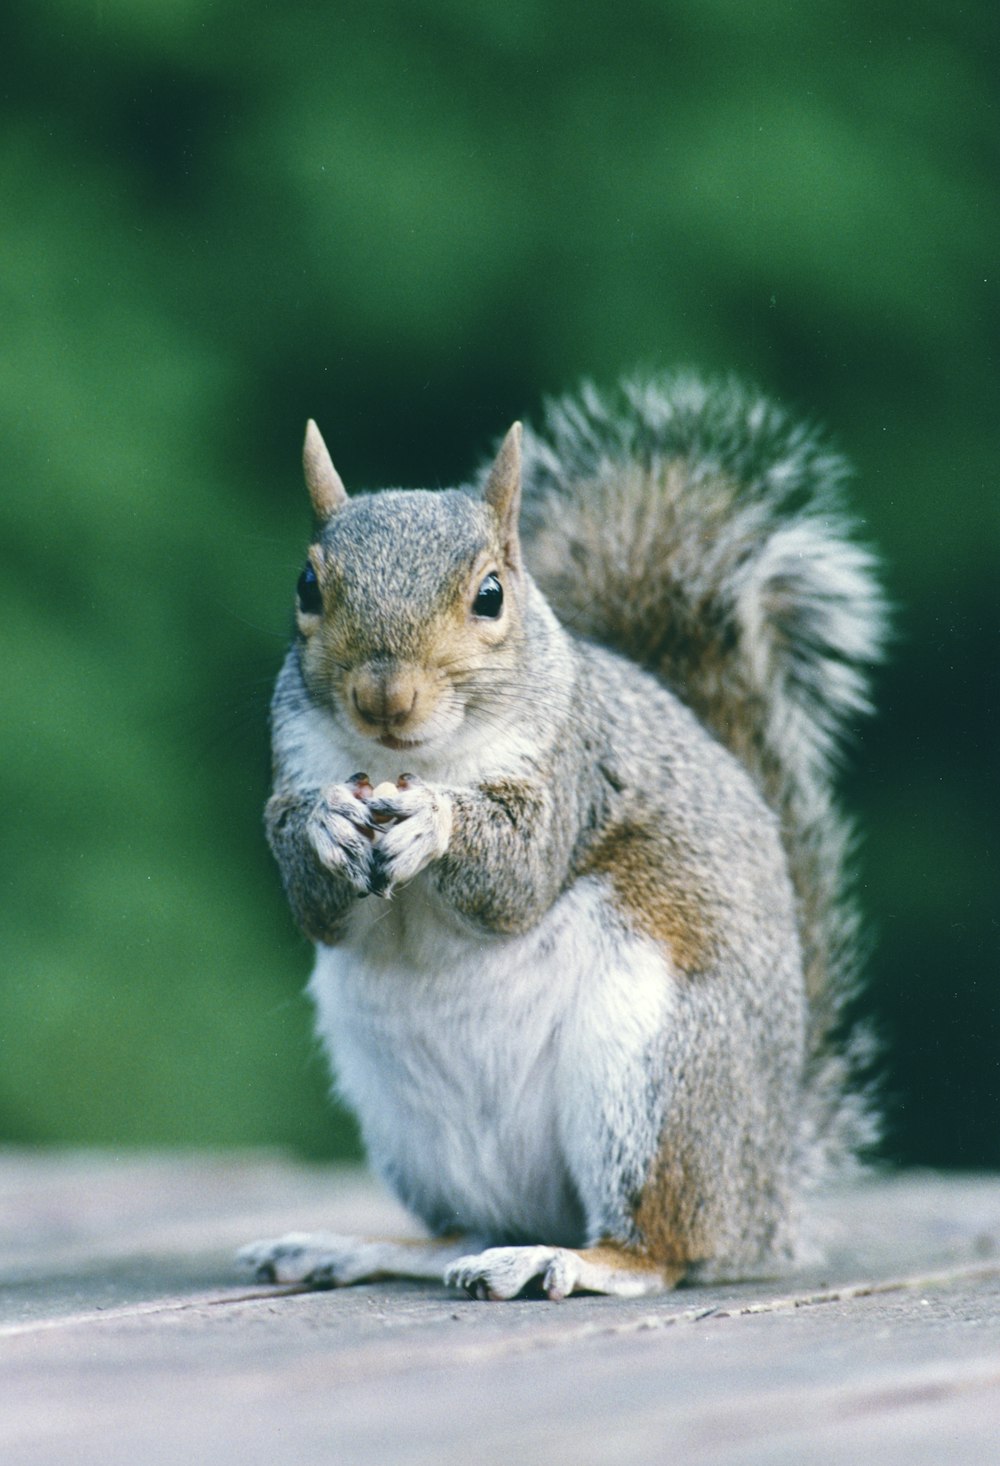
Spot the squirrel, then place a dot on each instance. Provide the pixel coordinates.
(591, 1030)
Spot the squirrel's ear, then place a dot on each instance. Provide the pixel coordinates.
(326, 489)
(503, 489)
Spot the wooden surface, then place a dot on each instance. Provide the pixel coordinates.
(127, 1335)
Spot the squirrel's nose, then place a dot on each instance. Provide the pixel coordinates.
(384, 698)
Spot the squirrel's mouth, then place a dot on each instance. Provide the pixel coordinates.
(398, 745)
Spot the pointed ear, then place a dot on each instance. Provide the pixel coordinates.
(326, 489)
(503, 492)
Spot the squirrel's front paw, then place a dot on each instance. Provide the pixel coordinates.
(341, 833)
(414, 828)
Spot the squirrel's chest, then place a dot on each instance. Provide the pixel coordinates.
(469, 1062)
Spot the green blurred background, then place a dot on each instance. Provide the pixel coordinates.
(413, 221)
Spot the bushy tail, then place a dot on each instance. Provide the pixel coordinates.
(698, 530)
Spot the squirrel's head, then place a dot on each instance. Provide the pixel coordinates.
(409, 608)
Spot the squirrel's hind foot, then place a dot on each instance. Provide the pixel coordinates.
(328, 1260)
(555, 1273)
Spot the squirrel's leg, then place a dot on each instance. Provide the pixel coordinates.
(556, 1272)
(469, 836)
(678, 1135)
(327, 1260)
(322, 841)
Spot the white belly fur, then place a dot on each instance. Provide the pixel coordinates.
(491, 1075)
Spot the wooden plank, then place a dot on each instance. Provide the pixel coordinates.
(126, 1336)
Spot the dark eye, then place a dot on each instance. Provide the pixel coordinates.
(489, 598)
(307, 590)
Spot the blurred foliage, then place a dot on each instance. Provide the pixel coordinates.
(412, 220)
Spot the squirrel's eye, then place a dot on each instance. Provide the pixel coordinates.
(307, 590)
(489, 599)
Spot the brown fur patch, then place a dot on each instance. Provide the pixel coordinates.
(655, 897)
(669, 1215)
(627, 1260)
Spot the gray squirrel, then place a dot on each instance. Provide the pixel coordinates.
(590, 1031)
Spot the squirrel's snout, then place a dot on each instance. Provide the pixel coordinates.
(383, 698)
